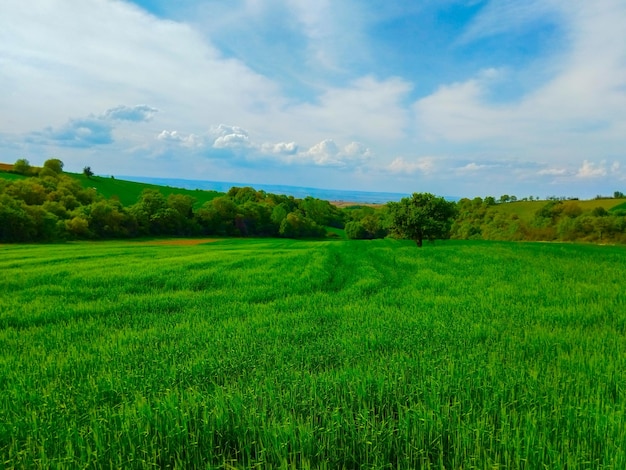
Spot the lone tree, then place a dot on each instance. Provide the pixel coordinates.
(22, 166)
(87, 172)
(54, 164)
(421, 216)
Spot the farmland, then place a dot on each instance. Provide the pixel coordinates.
(279, 353)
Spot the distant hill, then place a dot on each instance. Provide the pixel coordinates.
(526, 210)
(126, 191)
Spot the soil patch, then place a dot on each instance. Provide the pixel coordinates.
(179, 242)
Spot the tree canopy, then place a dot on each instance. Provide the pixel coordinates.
(422, 216)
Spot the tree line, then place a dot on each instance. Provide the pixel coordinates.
(556, 220)
(50, 206)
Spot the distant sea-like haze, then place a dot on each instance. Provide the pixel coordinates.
(300, 192)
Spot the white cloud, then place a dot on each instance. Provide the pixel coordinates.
(554, 172)
(94, 54)
(330, 43)
(280, 148)
(591, 170)
(367, 107)
(131, 113)
(425, 165)
(186, 140)
(579, 110)
(60, 60)
(328, 153)
(473, 167)
(230, 137)
(507, 16)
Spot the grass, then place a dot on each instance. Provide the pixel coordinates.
(287, 354)
(621, 206)
(127, 192)
(10, 176)
(526, 210)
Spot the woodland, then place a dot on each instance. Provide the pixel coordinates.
(45, 204)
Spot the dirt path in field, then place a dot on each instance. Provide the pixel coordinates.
(178, 242)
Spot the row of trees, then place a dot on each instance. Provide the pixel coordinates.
(50, 205)
(557, 220)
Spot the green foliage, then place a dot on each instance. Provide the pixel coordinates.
(297, 225)
(556, 219)
(87, 172)
(295, 354)
(421, 216)
(15, 221)
(54, 165)
(355, 230)
(64, 205)
(22, 167)
(321, 212)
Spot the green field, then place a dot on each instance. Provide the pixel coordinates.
(329, 354)
(526, 210)
(127, 192)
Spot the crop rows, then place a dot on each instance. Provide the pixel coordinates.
(293, 354)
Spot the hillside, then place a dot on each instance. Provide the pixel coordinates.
(526, 210)
(127, 192)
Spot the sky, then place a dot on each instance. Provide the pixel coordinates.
(461, 98)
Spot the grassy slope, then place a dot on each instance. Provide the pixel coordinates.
(284, 354)
(526, 209)
(127, 191)
(10, 176)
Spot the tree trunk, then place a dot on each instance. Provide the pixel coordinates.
(418, 242)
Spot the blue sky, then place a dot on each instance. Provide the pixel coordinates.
(455, 97)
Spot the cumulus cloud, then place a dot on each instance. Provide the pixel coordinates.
(591, 170)
(139, 113)
(425, 165)
(575, 108)
(92, 130)
(83, 132)
(328, 153)
(473, 167)
(237, 144)
(325, 153)
(186, 140)
(230, 137)
(280, 148)
(554, 172)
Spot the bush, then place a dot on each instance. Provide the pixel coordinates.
(355, 231)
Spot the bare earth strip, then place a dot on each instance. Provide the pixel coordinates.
(342, 204)
(179, 242)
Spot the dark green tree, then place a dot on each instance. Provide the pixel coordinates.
(87, 172)
(55, 165)
(422, 216)
(355, 231)
(22, 166)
